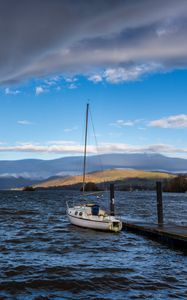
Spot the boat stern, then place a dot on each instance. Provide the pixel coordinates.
(116, 226)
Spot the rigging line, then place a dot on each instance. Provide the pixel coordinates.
(85, 147)
(97, 147)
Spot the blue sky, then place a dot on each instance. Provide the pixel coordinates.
(133, 70)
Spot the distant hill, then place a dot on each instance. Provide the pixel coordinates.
(42, 169)
(107, 176)
(7, 183)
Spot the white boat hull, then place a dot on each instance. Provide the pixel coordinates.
(108, 224)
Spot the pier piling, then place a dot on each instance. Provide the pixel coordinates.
(159, 204)
(112, 200)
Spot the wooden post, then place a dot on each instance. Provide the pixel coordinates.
(159, 203)
(112, 201)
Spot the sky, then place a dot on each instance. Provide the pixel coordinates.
(128, 59)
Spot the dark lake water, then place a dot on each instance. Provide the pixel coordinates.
(42, 256)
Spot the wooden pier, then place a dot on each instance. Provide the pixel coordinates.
(172, 235)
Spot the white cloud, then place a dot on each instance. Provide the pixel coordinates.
(8, 91)
(95, 78)
(176, 121)
(125, 74)
(155, 148)
(70, 79)
(122, 123)
(70, 129)
(116, 75)
(39, 90)
(24, 122)
(65, 147)
(49, 82)
(72, 86)
(53, 148)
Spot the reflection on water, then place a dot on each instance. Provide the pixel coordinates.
(42, 256)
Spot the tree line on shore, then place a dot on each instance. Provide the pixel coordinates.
(177, 184)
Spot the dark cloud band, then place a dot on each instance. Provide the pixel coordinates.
(44, 37)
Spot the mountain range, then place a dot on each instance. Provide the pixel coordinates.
(38, 170)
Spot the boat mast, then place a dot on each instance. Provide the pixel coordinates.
(85, 147)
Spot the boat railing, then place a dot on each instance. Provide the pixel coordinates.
(70, 203)
(97, 193)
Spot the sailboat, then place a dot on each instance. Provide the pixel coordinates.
(90, 215)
